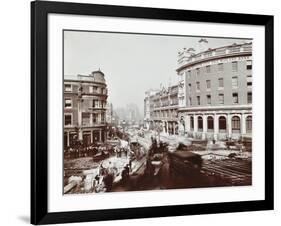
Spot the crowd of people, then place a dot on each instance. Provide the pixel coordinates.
(85, 151)
(110, 167)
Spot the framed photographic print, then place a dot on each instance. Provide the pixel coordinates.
(144, 112)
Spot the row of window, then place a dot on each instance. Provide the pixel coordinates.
(96, 118)
(235, 99)
(98, 104)
(220, 67)
(164, 104)
(92, 89)
(94, 104)
(96, 89)
(235, 124)
(234, 83)
(164, 114)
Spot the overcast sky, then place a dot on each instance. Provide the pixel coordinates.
(132, 63)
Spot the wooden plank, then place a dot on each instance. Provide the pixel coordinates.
(69, 186)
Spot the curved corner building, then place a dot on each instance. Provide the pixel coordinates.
(85, 101)
(215, 92)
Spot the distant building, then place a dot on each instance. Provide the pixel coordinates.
(148, 108)
(130, 114)
(109, 113)
(133, 114)
(85, 100)
(161, 110)
(215, 92)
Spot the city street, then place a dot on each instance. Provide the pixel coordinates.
(182, 133)
(217, 168)
(239, 170)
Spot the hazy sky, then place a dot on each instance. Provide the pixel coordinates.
(132, 63)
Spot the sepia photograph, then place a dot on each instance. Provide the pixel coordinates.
(140, 112)
(154, 111)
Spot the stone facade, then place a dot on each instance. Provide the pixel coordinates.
(85, 101)
(215, 92)
(161, 110)
(148, 108)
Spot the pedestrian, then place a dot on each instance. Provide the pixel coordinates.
(118, 152)
(102, 170)
(108, 181)
(126, 152)
(130, 164)
(125, 173)
(96, 182)
(100, 149)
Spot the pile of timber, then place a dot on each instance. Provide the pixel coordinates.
(69, 187)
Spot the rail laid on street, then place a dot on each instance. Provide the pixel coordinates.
(237, 172)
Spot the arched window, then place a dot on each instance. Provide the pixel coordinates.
(191, 123)
(210, 123)
(235, 124)
(249, 124)
(222, 124)
(200, 123)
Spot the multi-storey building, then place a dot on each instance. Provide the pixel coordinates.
(148, 108)
(109, 113)
(85, 99)
(215, 92)
(161, 110)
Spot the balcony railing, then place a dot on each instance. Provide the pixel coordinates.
(97, 123)
(186, 58)
(171, 118)
(97, 108)
(85, 125)
(171, 105)
(95, 93)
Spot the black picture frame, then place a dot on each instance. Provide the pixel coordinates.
(39, 112)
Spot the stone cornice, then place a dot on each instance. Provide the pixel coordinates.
(212, 108)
